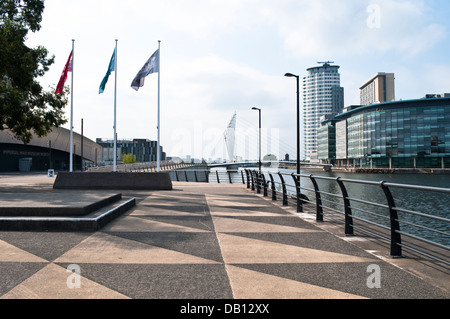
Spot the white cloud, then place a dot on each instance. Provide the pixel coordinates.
(210, 89)
(222, 56)
(333, 28)
(437, 77)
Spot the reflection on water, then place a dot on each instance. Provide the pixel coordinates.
(432, 203)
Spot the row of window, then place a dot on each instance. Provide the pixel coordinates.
(402, 132)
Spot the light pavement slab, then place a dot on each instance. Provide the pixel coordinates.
(199, 241)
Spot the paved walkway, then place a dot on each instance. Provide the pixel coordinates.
(198, 241)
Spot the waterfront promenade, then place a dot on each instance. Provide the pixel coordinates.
(203, 241)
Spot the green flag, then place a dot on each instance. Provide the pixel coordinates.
(111, 68)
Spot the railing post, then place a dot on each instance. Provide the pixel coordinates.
(229, 177)
(258, 182)
(274, 192)
(253, 180)
(396, 239)
(248, 178)
(283, 184)
(196, 178)
(176, 174)
(298, 193)
(185, 176)
(242, 175)
(319, 210)
(217, 176)
(264, 185)
(347, 209)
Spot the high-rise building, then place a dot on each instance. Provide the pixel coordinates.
(322, 95)
(378, 89)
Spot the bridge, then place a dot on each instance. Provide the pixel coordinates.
(229, 142)
(240, 140)
(272, 164)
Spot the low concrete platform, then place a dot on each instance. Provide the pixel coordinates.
(40, 208)
(91, 222)
(49, 204)
(113, 181)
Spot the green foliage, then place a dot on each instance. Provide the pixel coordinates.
(128, 158)
(24, 105)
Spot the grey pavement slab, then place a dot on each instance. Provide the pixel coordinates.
(202, 241)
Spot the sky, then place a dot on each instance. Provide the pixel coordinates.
(222, 57)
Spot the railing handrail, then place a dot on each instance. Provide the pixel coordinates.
(143, 166)
(261, 184)
(396, 233)
(398, 185)
(387, 184)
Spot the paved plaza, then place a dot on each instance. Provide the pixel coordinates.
(200, 241)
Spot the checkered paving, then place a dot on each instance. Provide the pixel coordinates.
(198, 241)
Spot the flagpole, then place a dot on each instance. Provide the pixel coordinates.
(71, 110)
(159, 72)
(115, 102)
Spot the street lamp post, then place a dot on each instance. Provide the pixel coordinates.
(259, 110)
(299, 206)
(258, 184)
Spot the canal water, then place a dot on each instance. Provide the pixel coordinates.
(432, 203)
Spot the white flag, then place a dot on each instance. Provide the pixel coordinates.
(151, 66)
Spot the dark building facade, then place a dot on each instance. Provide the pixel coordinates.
(48, 152)
(144, 150)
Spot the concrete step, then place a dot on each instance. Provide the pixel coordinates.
(63, 212)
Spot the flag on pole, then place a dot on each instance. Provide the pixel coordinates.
(62, 80)
(151, 66)
(111, 68)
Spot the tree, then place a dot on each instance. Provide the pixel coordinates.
(269, 157)
(24, 105)
(128, 158)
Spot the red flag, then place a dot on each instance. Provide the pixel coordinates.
(62, 80)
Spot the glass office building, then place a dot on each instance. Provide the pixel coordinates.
(402, 134)
(326, 141)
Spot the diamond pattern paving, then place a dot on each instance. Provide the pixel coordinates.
(198, 241)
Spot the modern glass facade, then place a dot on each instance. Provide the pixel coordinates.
(402, 134)
(326, 140)
(341, 140)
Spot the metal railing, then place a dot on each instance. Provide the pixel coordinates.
(329, 199)
(344, 209)
(207, 176)
(141, 167)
